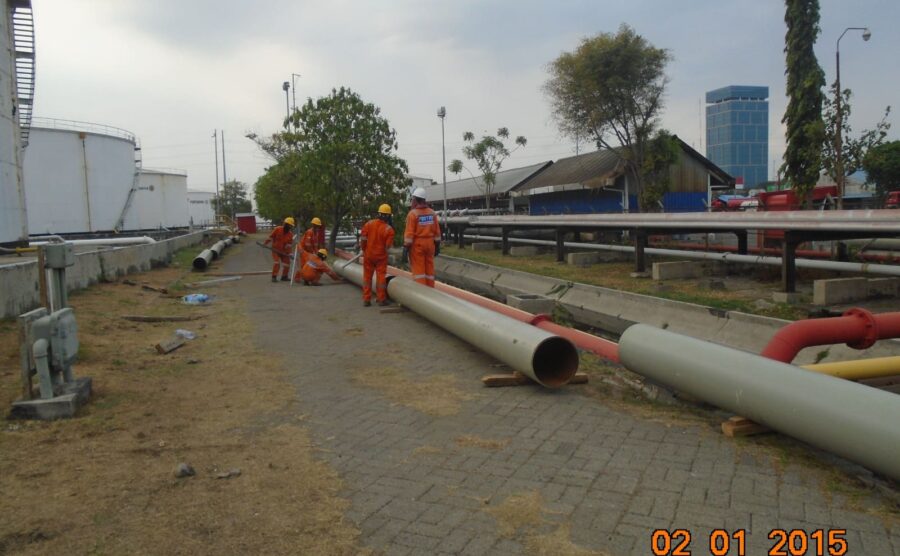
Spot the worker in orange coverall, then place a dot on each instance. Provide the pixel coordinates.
(281, 239)
(314, 238)
(421, 239)
(313, 267)
(375, 239)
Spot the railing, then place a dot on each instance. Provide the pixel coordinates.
(75, 125)
(23, 44)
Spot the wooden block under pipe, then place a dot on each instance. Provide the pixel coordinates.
(170, 345)
(741, 426)
(518, 379)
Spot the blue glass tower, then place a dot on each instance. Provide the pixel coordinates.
(737, 131)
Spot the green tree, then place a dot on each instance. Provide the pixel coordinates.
(232, 199)
(853, 149)
(488, 155)
(611, 90)
(805, 80)
(662, 152)
(336, 158)
(882, 164)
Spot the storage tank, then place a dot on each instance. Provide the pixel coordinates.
(200, 208)
(78, 176)
(16, 95)
(160, 200)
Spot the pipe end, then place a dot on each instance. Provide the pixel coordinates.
(555, 362)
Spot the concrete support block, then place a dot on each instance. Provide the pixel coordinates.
(883, 287)
(523, 250)
(613, 257)
(582, 259)
(532, 303)
(839, 290)
(790, 298)
(484, 246)
(64, 405)
(677, 270)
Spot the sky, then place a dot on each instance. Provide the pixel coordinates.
(173, 71)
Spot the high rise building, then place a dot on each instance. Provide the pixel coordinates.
(737, 132)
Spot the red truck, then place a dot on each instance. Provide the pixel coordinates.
(893, 200)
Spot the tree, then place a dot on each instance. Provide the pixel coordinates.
(882, 164)
(232, 199)
(336, 158)
(853, 150)
(662, 152)
(611, 90)
(805, 80)
(488, 154)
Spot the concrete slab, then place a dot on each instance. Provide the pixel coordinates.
(582, 259)
(790, 298)
(533, 303)
(524, 250)
(839, 290)
(677, 270)
(883, 287)
(484, 246)
(71, 396)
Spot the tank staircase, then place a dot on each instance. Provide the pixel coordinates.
(22, 19)
(138, 166)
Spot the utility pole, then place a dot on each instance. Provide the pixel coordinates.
(216, 151)
(294, 87)
(225, 173)
(838, 142)
(442, 113)
(287, 100)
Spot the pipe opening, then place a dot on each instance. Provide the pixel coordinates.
(555, 362)
(200, 263)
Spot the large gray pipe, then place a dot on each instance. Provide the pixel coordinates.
(202, 260)
(547, 359)
(854, 421)
(217, 249)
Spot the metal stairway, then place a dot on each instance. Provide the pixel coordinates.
(22, 19)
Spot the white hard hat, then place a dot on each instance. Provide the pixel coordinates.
(419, 192)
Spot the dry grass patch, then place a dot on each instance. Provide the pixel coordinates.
(436, 395)
(103, 483)
(471, 440)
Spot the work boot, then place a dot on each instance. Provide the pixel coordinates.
(274, 278)
(367, 303)
(285, 279)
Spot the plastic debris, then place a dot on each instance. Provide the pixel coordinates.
(196, 299)
(186, 334)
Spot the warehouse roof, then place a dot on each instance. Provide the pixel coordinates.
(471, 188)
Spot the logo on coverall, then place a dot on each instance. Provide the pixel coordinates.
(426, 220)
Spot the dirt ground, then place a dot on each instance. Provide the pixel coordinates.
(103, 483)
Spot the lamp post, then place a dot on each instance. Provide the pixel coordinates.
(287, 101)
(838, 141)
(294, 91)
(442, 113)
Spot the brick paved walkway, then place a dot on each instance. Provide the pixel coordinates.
(605, 474)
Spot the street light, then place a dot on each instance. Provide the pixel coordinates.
(287, 101)
(838, 142)
(294, 85)
(442, 113)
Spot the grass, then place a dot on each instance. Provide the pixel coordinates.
(617, 276)
(436, 395)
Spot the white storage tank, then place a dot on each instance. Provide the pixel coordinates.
(200, 208)
(16, 94)
(160, 200)
(77, 176)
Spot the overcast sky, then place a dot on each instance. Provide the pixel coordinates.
(173, 71)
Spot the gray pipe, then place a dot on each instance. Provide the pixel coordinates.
(547, 359)
(854, 421)
(203, 260)
(837, 266)
(217, 249)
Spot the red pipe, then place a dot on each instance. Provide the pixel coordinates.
(802, 253)
(588, 342)
(858, 328)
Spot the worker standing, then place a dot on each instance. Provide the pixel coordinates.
(422, 239)
(375, 239)
(281, 239)
(313, 239)
(313, 266)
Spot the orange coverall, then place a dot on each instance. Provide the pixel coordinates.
(422, 232)
(281, 241)
(312, 268)
(375, 239)
(312, 241)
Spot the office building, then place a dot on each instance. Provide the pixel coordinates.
(737, 132)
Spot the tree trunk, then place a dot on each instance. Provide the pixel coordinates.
(335, 226)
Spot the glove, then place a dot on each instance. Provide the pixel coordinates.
(437, 248)
(405, 257)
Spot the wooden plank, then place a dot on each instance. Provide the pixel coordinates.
(518, 379)
(154, 288)
(251, 273)
(170, 345)
(390, 310)
(741, 426)
(146, 318)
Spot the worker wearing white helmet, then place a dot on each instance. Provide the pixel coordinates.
(422, 238)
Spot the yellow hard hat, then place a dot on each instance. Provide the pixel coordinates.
(384, 209)
(322, 253)
(316, 222)
(290, 220)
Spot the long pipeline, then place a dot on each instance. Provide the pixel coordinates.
(852, 420)
(547, 359)
(588, 342)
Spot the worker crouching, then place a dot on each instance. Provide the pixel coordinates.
(313, 267)
(422, 239)
(281, 239)
(375, 239)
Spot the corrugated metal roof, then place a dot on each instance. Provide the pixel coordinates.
(470, 188)
(586, 170)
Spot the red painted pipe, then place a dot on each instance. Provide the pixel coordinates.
(802, 253)
(858, 328)
(588, 342)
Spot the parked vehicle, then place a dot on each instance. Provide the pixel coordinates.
(893, 200)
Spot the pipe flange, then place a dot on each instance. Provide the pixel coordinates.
(870, 328)
(537, 319)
